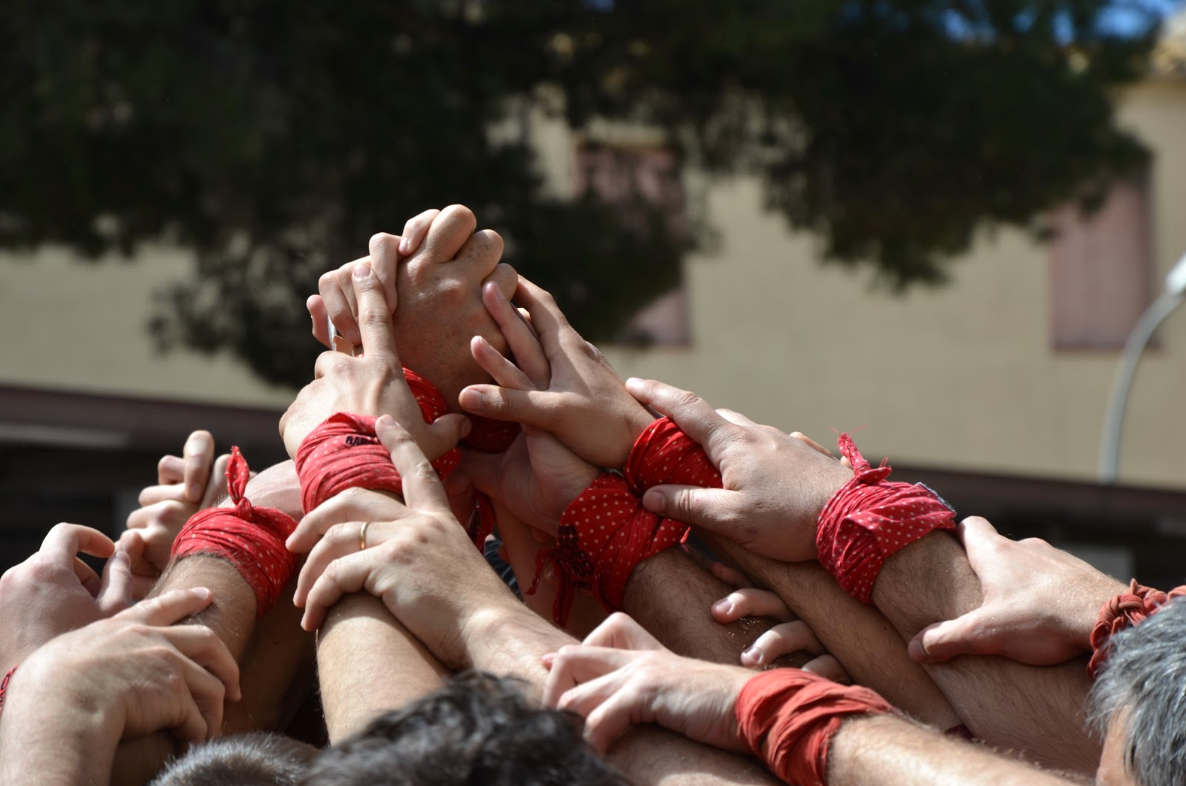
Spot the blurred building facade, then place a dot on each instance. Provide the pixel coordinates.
(992, 387)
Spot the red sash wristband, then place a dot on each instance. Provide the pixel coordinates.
(1124, 611)
(605, 532)
(870, 519)
(788, 717)
(250, 538)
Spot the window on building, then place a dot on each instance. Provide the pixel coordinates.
(1101, 269)
(622, 174)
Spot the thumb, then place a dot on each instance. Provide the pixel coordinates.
(711, 509)
(444, 434)
(170, 607)
(966, 635)
(115, 593)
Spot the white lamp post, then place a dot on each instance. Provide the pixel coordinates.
(1158, 310)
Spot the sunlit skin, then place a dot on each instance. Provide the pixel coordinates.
(1112, 771)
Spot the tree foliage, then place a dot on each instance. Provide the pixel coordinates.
(273, 138)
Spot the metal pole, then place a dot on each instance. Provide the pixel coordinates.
(1154, 315)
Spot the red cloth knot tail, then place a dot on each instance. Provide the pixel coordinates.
(251, 538)
(869, 519)
(604, 533)
(237, 475)
(788, 717)
(861, 467)
(1126, 610)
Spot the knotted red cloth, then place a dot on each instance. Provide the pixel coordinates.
(1124, 611)
(251, 538)
(344, 453)
(347, 454)
(796, 713)
(4, 687)
(605, 532)
(870, 519)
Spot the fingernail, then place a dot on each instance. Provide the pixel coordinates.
(405, 245)
(916, 652)
(362, 271)
(201, 592)
(753, 655)
(634, 384)
(723, 607)
(548, 659)
(653, 500)
(466, 428)
(122, 558)
(471, 399)
(498, 295)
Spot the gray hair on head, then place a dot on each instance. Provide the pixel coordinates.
(1144, 681)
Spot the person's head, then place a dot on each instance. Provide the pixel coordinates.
(1139, 702)
(476, 729)
(241, 760)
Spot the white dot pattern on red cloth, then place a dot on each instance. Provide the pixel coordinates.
(605, 531)
(870, 519)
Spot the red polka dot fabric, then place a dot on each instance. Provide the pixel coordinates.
(1124, 611)
(788, 717)
(250, 538)
(665, 454)
(870, 519)
(605, 532)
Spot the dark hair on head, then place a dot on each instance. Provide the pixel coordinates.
(256, 759)
(477, 729)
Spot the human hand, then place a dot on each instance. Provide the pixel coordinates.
(420, 562)
(774, 485)
(562, 383)
(1040, 603)
(370, 385)
(132, 675)
(439, 286)
(622, 676)
(788, 636)
(54, 592)
(185, 485)
(536, 478)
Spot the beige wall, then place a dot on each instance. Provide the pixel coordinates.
(72, 325)
(962, 376)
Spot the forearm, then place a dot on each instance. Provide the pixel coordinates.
(277, 671)
(43, 743)
(856, 634)
(884, 750)
(651, 755)
(369, 663)
(671, 595)
(1036, 709)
